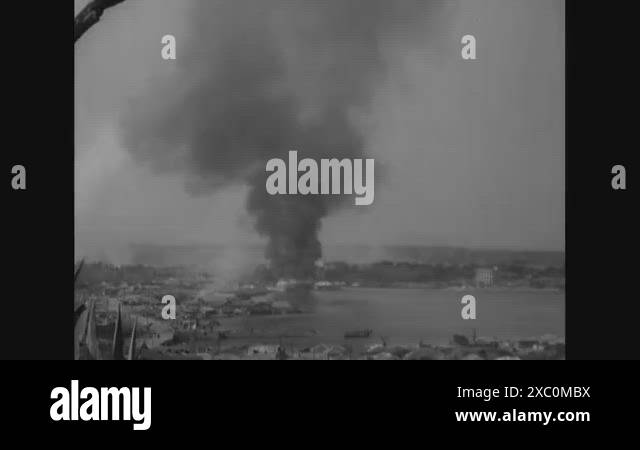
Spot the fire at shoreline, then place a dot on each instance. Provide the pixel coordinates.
(122, 314)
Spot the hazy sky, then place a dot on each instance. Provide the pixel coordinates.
(473, 151)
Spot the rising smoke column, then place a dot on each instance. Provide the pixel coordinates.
(257, 78)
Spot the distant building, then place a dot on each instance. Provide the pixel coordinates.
(263, 350)
(484, 277)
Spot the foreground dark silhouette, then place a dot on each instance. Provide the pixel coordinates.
(90, 15)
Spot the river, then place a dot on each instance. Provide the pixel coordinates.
(406, 316)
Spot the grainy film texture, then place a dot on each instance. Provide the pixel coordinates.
(344, 179)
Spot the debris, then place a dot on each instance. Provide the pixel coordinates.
(424, 354)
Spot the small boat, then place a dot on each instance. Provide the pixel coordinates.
(358, 333)
(224, 334)
(326, 286)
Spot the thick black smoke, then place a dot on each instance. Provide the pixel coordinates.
(257, 78)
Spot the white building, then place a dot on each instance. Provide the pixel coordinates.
(484, 277)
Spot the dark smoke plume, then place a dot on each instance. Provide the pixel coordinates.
(258, 78)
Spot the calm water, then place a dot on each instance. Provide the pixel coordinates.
(409, 315)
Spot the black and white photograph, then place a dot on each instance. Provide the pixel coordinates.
(319, 180)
